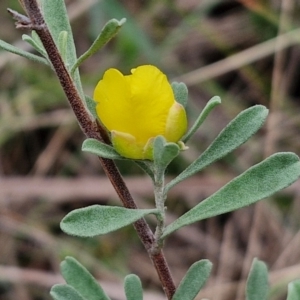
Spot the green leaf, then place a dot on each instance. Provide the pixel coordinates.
(62, 45)
(103, 150)
(65, 292)
(202, 117)
(38, 41)
(260, 181)
(294, 290)
(109, 30)
(91, 105)
(257, 282)
(98, 219)
(81, 280)
(237, 132)
(163, 152)
(10, 48)
(34, 44)
(181, 92)
(57, 20)
(133, 287)
(193, 280)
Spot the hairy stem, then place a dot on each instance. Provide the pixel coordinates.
(91, 130)
(160, 205)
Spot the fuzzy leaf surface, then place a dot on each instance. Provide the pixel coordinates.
(10, 48)
(260, 181)
(109, 30)
(81, 280)
(257, 282)
(34, 44)
(193, 280)
(181, 92)
(163, 152)
(65, 292)
(211, 104)
(133, 287)
(91, 105)
(103, 150)
(99, 219)
(56, 17)
(237, 132)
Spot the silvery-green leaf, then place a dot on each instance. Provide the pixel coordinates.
(77, 276)
(133, 287)
(10, 48)
(65, 292)
(56, 17)
(211, 104)
(193, 280)
(237, 132)
(181, 92)
(99, 219)
(163, 153)
(260, 181)
(91, 105)
(109, 30)
(257, 282)
(34, 44)
(103, 150)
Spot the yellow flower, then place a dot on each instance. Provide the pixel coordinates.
(137, 108)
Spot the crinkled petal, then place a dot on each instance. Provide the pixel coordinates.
(112, 95)
(176, 123)
(152, 97)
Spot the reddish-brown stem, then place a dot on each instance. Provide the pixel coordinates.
(91, 130)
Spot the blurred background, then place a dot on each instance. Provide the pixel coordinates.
(247, 52)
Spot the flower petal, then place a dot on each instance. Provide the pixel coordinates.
(151, 99)
(112, 95)
(176, 123)
(126, 145)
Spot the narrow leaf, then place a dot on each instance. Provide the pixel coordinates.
(237, 132)
(10, 48)
(133, 287)
(62, 45)
(91, 105)
(109, 30)
(65, 292)
(202, 117)
(294, 290)
(193, 280)
(181, 92)
(164, 152)
(97, 219)
(34, 44)
(81, 280)
(37, 40)
(257, 282)
(260, 181)
(103, 150)
(55, 14)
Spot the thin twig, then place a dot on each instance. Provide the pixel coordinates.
(90, 128)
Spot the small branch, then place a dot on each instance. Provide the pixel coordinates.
(90, 128)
